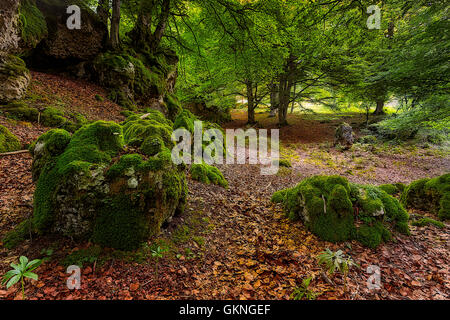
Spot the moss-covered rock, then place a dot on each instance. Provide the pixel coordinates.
(208, 174)
(327, 205)
(14, 78)
(432, 195)
(33, 27)
(130, 80)
(21, 111)
(8, 141)
(89, 188)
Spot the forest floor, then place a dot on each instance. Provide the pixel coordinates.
(234, 243)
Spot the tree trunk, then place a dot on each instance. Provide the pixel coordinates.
(251, 104)
(103, 11)
(380, 108)
(274, 99)
(114, 39)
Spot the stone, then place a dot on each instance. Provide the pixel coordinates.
(14, 78)
(9, 36)
(344, 136)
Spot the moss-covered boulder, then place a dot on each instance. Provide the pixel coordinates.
(8, 141)
(344, 136)
(138, 78)
(432, 195)
(90, 187)
(14, 78)
(394, 189)
(336, 210)
(32, 24)
(208, 174)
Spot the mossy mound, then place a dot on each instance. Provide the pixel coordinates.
(8, 141)
(283, 163)
(327, 205)
(14, 78)
(89, 188)
(432, 195)
(50, 116)
(150, 132)
(208, 174)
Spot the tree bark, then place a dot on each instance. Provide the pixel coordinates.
(274, 99)
(250, 103)
(380, 108)
(114, 39)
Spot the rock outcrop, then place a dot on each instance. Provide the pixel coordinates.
(14, 78)
(9, 19)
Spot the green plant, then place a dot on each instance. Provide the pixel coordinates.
(20, 272)
(336, 261)
(157, 254)
(303, 291)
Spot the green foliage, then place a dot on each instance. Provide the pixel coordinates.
(8, 141)
(33, 27)
(336, 261)
(303, 292)
(208, 174)
(20, 272)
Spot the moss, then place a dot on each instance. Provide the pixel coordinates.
(93, 144)
(21, 111)
(151, 135)
(326, 206)
(428, 221)
(431, 195)
(283, 163)
(279, 196)
(119, 227)
(8, 141)
(173, 106)
(373, 235)
(52, 117)
(208, 174)
(99, 98)
(368, 139)
(185, 120)
(390, 189)
(121, 70)
(33, 27)
(21, 233)
(126, 163)
(14, 66)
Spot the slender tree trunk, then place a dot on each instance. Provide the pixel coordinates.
(114, 39)
(286, 84)
(251, 104)
(274, 99)
(380, 108)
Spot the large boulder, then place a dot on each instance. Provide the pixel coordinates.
(336, 210)
(63, 43)
(9, 19)
(14, 78)
(89, 187)
(145, 79)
